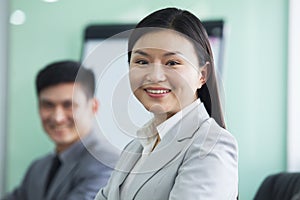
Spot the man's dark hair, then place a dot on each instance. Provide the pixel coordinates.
(66, 72)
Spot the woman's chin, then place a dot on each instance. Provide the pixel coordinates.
(156, 109)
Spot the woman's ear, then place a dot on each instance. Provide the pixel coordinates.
(204, 72)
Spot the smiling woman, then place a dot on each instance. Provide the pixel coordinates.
(184, 152)
(163, 78)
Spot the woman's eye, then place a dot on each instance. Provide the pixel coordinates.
(141, 62)
(172, 63)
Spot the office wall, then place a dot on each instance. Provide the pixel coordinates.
(3, 88)
(255, 73)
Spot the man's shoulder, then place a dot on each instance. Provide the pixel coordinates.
(39, 163)
(97, 158)
(42, 158)
(98, 150)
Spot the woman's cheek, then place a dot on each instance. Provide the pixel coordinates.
(135, 78)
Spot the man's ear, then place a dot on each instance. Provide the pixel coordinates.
(95, 105)
(204, 72)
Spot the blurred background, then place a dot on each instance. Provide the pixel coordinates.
(255, 74)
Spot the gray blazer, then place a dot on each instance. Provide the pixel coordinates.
(79, 178)
(196, 160)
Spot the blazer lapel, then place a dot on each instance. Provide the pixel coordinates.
(176, 141)
(129, 157)
(60, 177)
(69, 162)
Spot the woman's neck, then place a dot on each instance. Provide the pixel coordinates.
(160, 118)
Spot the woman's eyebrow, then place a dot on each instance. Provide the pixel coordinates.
(141, 53)
(171, 53)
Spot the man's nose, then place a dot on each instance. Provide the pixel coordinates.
(59, 115)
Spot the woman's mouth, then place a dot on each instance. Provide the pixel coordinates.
(157, 92)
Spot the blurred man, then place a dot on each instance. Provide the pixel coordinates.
(67, 107)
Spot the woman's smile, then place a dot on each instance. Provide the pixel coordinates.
(156, 92)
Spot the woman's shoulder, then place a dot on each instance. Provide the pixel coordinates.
(210, 137)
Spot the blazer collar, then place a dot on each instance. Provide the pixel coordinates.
(128, 159)
(69, 159)
(177, 140)
(59, 179)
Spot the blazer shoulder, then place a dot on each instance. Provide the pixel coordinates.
(211, 159)
(131, 144)
(41, 162)
(211, 137)
(87, 161)
(97, 151)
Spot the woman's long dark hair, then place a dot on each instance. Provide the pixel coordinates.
(191, 27)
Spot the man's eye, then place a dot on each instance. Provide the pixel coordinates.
(172, 63)
(67, 105)
(46, 105)
(141, 62)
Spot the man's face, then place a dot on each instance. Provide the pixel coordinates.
(66, 113)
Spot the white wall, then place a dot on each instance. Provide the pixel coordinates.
(293, 146)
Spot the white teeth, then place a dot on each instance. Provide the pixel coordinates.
(158, 91)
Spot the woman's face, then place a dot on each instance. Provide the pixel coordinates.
(165, 72)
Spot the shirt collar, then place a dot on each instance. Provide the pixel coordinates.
(73, 152)
(164, 127)
(148, 133)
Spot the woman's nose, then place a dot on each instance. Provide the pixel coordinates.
(157, 73)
